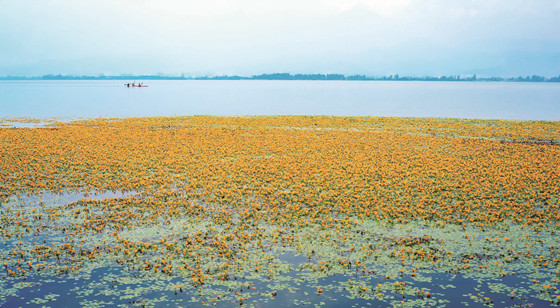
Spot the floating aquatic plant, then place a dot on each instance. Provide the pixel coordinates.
(279, 210)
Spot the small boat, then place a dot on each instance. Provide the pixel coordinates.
(134, 85)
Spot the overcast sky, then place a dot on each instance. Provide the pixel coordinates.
(245, 37)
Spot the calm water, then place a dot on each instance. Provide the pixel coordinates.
(520, 101)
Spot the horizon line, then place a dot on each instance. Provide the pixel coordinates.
(287, 76)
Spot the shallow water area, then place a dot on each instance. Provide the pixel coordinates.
(15, 124)
(69, 197)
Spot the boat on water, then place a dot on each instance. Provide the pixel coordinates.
(135, 85)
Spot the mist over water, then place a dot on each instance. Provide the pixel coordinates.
(487, 100)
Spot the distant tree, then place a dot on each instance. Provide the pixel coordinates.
(358, 77)
(335, 77)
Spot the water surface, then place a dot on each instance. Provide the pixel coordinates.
(489, 100)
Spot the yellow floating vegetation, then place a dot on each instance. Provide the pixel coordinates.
(216, 198)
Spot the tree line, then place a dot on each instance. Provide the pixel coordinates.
(288, 76)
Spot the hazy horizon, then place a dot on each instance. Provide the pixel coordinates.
(248, 37)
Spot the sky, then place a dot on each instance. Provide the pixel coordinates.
(245, 37)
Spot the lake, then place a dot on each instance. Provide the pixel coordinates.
(489, 100)
(279, 211)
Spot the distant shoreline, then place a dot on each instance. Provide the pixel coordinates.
(288, 76)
